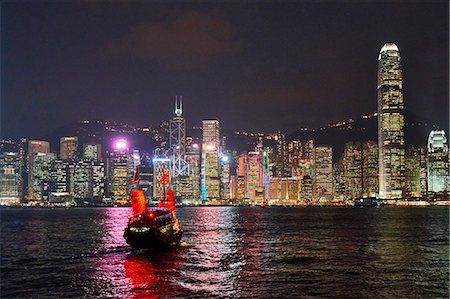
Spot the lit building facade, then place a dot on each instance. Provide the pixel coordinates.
(412, 176)
(391, 144)
(119, 175)
(10, 178)
(353, 166)
(210, 173)
(370, 169)
(438, 162)
(68, 149)
(323, 174)
(35, 147)
(41, 174)
(193, 156)
(92, 151)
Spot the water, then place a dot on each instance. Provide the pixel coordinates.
(229, 252)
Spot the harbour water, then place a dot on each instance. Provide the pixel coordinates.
(229, 252)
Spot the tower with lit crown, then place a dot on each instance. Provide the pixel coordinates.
(391, 143)
(177, 141)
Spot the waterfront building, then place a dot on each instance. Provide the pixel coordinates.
(339, 179)
(225, 176)
(41, 174)
(233, 187)
(80, 180)
(391, 144)
(353, 166)
(68, 148)
(193, 158)
(177, 144)
(161, 176)
(252, 175)
(146, 180)
(283, 190)
(92, 151)
(421, 152)
(370, 169)
(98, 180)
(34, 147)
(294, 157)
(412, 176)
(10, 178)
(279, 156)
(59, 176)
(323, 174)
(438, 162)
(119, 163)
(210, 176)
(306, 189)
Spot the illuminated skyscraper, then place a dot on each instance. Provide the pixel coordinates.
(421, 153)
(253, 175)
(323, 173)
(193, 158)
(412, 176)
(10, 178)
(92, 151)
(438, 162)
(68, 148)
(353, 170)
(370, 168)
(35, 147)
(210, 160)
(41, 174)
(391, 144)
(119, 163)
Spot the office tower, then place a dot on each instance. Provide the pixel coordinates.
(10, 178)
(323, 173)
(421, 153)
(211, 132)
(119, 159)
(193, 158)
(92, 151)
(265, 169)
(339, 179)
(279, 156)
(295, 155)
(98, 179)
(210, 172)
(161, 177)
(34, 147)
(306, 189)
(41, 174)
(370, 169)
(210, 160)
(252, 175)
(177, 141)
(80, 180)
(438, 162)
(59, 176)
(391, 144)
(68, 148)
(412, 176)
(224, 163)
(353, 167)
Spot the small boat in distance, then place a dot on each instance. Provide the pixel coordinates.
(152, 227)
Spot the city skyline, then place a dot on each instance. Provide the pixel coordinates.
(265, 94)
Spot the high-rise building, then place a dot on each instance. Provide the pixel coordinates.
(193, 159)
(438, 162)
(119, 172)
(391, 144)
(177, 143)
(68, 148)
(210, 160)
(92, 151)
(370, 169)
(59, 176)
(306, 189)
(339, 179)
(323, 174)
(295, 155)
(41, 174)
(224, 163)
(279, 156)
(353, 167)
(252, 175)
(412, 176)
(10, 178)
(161, 177)
(210, 172)
(421, 153)
(35, 147)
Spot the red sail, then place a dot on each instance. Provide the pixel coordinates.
(170, 200)
(138, 202)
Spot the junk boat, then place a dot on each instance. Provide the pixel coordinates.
(155, 226)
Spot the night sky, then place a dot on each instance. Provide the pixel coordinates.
(260, 66)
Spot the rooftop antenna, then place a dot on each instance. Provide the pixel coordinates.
(178, 106)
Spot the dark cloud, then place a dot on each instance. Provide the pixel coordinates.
(193, 39)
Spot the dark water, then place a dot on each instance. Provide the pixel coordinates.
(229, 252)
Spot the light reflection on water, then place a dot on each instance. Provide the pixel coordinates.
(229, 252)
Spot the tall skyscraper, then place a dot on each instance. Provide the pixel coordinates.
(323, 173)
(35, 147)
(10, 178)
(177, 142)
(391, 143)
(353, 175)
(68, 148)
(41, 174)
(370, 169)
(119, 163)
(210, 160)
(193, 158)
(438, 162)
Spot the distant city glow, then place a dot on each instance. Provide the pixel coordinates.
(195, 145)
(121, 144)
